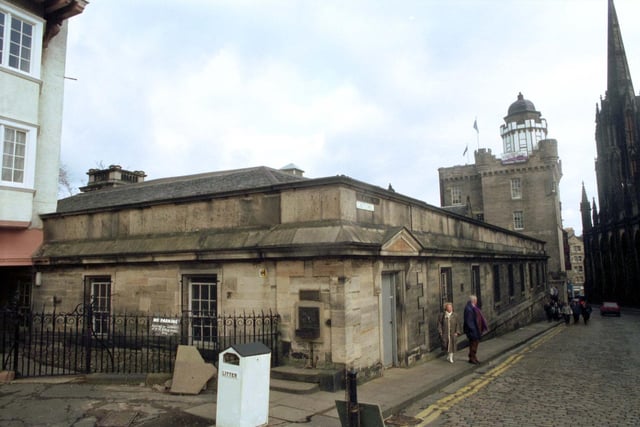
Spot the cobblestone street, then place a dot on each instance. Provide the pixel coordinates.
(575, 375)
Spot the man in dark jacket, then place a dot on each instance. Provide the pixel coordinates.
(474, 326)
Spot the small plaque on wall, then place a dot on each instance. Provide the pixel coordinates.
(308, 322)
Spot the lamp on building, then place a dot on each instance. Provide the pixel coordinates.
(38, 278)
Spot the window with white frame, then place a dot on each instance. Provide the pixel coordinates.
(101, 303)
(456, 195)
(518, 220)
(13, 154)
(516, 188)
(203, 297)
(18, 155)
(20, 41)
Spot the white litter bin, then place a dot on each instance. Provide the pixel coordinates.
(243, 386)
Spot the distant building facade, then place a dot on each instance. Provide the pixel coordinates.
(520, 190)
(611, 228)
(33, 43)
(575, 270)
(357, 273)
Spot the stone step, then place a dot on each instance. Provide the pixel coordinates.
(326, 379)
(291, 373)
(295, 387)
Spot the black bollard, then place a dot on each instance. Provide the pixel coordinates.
(352, 405)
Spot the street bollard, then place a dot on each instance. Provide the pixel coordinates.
(352, 405)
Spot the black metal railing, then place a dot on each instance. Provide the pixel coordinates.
(83, 342)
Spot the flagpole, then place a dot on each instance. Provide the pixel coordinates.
(475, 126)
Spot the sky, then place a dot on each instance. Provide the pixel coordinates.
(383, 92)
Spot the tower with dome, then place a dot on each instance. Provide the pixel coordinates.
(517, 190)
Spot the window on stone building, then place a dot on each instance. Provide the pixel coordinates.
(518, 220)
(522, 279)
(98, 295)
(446, 286)
(511, 279)
(496, 283)
(203, 309)
(531, 276)
(516, 188)
(20, 41)
(476, 288)
(456, 195)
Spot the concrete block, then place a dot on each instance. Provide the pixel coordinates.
(7, 376)
(191, 372)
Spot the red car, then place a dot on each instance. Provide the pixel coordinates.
(610, 308)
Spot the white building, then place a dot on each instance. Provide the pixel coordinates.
(33, 42)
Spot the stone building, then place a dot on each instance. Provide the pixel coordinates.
(611, 232)
(33, 43)
(575, 270)
(358, 273)
(517, 191)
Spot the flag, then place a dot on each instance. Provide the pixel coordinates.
(475, 125)
(465, 150)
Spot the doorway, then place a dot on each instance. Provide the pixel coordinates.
(389, 319)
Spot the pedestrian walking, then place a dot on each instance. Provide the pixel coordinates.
(449, 330)
(575, 307)
(547, 310)
(475, 326)
(566, 313)
(585, 311)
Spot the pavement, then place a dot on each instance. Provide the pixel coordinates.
(110, 401)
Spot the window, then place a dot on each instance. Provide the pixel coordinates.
(475, 283)
(531, 276)
(522, 279)
(13, 155)
(446, 286)
(496, 283)
(203, 304)
(20, 41)
(99, 293)
(511, 280)
(516, 188)
(18, 155)
(456, 196)
(518, 220)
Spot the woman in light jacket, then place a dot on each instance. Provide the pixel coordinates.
(449, 330)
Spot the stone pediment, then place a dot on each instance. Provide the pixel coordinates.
(403, 243)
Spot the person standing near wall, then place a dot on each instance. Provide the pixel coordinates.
(449, 330)
(475, 326)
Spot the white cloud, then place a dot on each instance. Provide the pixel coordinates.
(380, 91)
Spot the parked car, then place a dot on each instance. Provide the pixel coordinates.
(610, 308)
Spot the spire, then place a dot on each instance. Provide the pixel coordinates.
(584, 194)
(618, 75)
(585, 210)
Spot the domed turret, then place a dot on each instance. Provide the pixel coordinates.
(523, 129)
(521, 105)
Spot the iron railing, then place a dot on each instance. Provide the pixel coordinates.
(83, 342)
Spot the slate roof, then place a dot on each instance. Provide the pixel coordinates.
(177, 188)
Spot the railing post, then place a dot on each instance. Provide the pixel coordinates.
(88, 325)
(16, 339)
